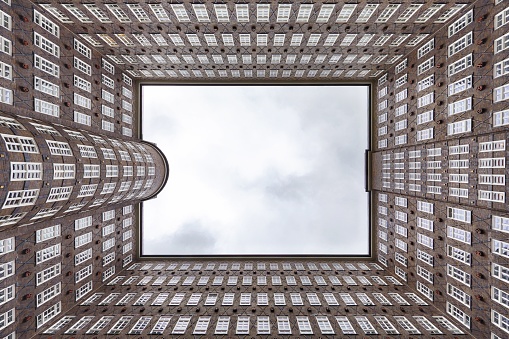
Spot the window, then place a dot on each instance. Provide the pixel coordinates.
(460, 44)
(46, 66)
(425, 240)
(45, 45)
(459, 234)
(24, 171)
(459, 295)
(47, 108)
(461, 23)
(46, 234)
(426, 65)
(45, 275)
(40, 20)
(460, 106)
(500, 247)
(82, 239)
(460, 65)
(46, 87)
(365, 325)
(458, 314)
(304, 325)
(242, 325)
(459, 127)
(459, 214)
(501, 18)
(59, 193)
(20, 198)
(48, 314)
(501, 43)
(426, 48)
(500, 321)
(459, 275)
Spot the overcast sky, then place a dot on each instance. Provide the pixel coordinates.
(258, 170)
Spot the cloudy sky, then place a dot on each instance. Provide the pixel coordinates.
(258, 170)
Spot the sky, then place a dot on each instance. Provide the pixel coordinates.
(258, 170)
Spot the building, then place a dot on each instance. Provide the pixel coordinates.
(75, 168)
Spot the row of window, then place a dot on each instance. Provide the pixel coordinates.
(257, 266)
(248, 40)
(16, 143)
(245, 299)
(248, 280)
(248, 73)
(263, 12)
(483, 147)
(27, 171)
(283, 325)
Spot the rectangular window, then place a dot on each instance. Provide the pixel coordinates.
(47, 108)
(459, 127)
(82, 101)
(426, 48)
(501, 43)
(461, 23)
(501, 18)
(47, 274)
(459, 214)
(46, 66)
(460, 65)
(459, 275)
(458, 314)
(46, 45)
(460, 44)
(460, 106)
(45, 86)
(500, 248)
(426, 65)
(40, 20)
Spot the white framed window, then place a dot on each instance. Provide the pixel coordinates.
(500, 223)
(425, 99)
(46, 45)
(501, 43)
(458, 314)
(25, 171)
(222, 325)
(459, 295)
(40, 20)
(425, 240)
(500, 272)
(461, 23)
(501, 18)
(47, 108)
(460, 65)
(460, 44)
(365, 325)
(459, 234)
(459, 275)
(459, 214)
(426, 65)
(82, 239)
(459, 255)
(48, 274)
(426, 48)
(107, 126)
(46, 65)
(460, 106)
(5, 71)
(500, 248)
(459, 127)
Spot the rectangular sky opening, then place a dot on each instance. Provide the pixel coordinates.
(258, 170)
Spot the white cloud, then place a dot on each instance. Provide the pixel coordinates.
(261, 170)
